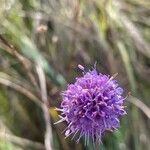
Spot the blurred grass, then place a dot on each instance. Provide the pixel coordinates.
(59, 35)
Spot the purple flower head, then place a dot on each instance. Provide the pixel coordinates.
(92, 105)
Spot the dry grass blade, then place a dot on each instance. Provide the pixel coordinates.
(141, 44)
(24, 61)
(21, 141)
(145, 109)
(48, 132)
(20, 89)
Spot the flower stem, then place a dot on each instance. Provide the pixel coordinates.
(97, 145)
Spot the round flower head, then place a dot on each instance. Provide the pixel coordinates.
(92, 105)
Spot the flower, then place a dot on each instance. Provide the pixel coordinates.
(92, 105)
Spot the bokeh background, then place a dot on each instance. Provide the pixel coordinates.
(41, 44)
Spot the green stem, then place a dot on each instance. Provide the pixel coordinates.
(97, 145)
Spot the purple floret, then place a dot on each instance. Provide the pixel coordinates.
(92, 105)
